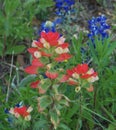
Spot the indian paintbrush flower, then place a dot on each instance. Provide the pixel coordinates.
(51, 45)
(47, 53)
(78, 73)
(21, 111)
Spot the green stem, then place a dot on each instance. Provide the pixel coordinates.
(80, 104)
(95, 97)
(4, 48)
(8, 88)
(108, 113)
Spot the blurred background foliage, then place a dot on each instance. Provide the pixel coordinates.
(16, 24)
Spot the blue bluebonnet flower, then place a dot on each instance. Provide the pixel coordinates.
(98, 27)
(63, 6)
(50, 26)
(19, 104)
(9, 119)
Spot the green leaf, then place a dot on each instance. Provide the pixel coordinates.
(28, 2)
(64, 102)
(17, 49)
(89, 118)
(1, 48)
(64, 126)
(45, 101)
(54, 119)
(41, 124)
(11, 6)
(26, 80)
(45, 3)
(111, 127)
(79, 124)
(46, 84)
(45, 60)
(77, 45)
(97, 114)
(72, 111)
(111, 48)
(93, 52)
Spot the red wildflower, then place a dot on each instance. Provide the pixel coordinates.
(72, 82)
(39, 44)
(37, 62)
(86, 76)
(63, 57)
(64, 78)
(95, 74)
(50, 37)
(81, 68)
(41, 90)
(21, 111)
(51, 75)
(64, 45)
(45, 54)
(90, 89)
(89, 74)
(32, 50)
(70, 72)
(31, 69)
(35, 84)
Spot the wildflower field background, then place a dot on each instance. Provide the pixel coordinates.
(57, 64)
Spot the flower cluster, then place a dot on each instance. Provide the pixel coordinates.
(48, 53)
(48, 26)
(75, 75)
(63, 6)
(21, 111)
(49, 48)
(98, 27)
